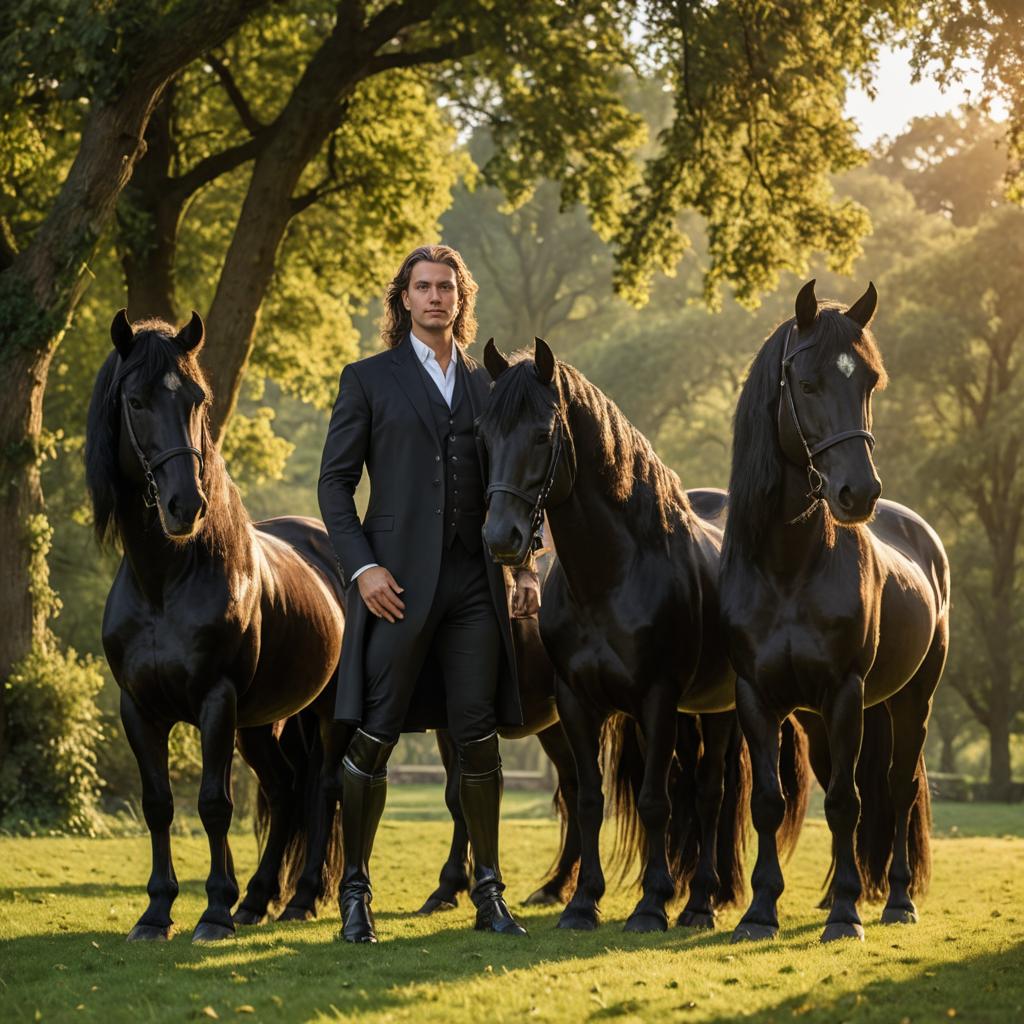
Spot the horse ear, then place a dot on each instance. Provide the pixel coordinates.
(806, 306)
(495, 362)
(192, 335)
(121, 333)
(544, 359)
(863, 309)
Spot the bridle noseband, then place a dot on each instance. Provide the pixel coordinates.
(814, 478)
(151, 493)
(538, 502)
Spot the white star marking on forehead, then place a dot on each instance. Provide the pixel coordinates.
(846, 364)
(172, 381)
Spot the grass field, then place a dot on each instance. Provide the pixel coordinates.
(66, 905)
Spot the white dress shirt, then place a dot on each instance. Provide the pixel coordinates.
(445, 381)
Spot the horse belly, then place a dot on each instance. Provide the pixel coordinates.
(906, 631)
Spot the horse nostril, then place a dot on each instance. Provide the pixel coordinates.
(172, 505)
(845, 499)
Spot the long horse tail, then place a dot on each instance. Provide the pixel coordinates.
(300, 742)
(622, 756)
(919, 835)
(733, 822)
(796, 778)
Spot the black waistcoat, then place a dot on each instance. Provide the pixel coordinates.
(463, 507)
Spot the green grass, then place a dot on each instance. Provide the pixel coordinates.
(66, 905)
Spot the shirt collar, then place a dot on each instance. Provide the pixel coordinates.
(425, 352)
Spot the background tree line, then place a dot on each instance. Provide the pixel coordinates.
(269, 165)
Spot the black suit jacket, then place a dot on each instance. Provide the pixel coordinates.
(382, 420)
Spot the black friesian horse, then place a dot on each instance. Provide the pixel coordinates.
(630, 620)
(212, 620)
(834, 602)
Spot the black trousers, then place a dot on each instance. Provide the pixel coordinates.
(461, 637)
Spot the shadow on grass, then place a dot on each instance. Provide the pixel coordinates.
(981, 988)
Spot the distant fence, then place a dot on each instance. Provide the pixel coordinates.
(960, 789)
(434, 773)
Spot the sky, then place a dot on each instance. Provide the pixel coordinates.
(898, 100)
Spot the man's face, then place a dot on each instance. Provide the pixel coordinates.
(432, 297)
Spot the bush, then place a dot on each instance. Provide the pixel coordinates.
(49, 778)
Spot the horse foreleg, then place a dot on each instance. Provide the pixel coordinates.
(909, 709)
(556, 746)
(761, 727)
(276, 776)
(454, 876)
(334, 737)
(217, 717)
(716, 732)
(148, 740)
(583, 729)
(658, 725)
(843, 715)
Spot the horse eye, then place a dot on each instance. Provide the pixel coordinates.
(134, 403)
(807, 387)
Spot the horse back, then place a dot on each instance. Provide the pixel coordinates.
(308, 537)
(710, 503)
(906, 536)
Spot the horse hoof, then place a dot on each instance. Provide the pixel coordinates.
(836, 930)
(435, 905)
(748, 931)
(646, 922)
(899, 915)
(208, 931)
(542, 898)
(696, 920)
(244, 916)
(150, 933)
(297, 914)
(578, 920)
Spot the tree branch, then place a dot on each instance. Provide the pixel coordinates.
(216, 164)
(461, 46)
(249, 120)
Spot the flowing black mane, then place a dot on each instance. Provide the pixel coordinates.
(755, 482)
(629, 468)
(154, 353)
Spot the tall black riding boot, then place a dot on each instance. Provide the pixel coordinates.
(480, 794)
(364, 789)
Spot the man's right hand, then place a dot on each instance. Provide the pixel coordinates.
(380, 592)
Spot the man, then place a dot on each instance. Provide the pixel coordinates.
(427, 636)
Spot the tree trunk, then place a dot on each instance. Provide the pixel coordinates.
(148, 214)
(999, 775)
(40, 289)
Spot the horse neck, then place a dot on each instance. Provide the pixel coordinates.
(593, 531)
(793, 543)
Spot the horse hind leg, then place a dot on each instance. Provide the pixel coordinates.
(279, 806)
(217, 719)
(321, 871)
(582, 725)
(563, 874)
(658, 724)
(762, 730)
(454, 877)
(910, 867)
(148, 740)
(718, 731)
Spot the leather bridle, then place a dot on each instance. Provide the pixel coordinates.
(151, 493)
(538, 502)
(814, 478)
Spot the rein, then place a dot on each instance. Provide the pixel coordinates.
(539, 500)
(151, 493)
(814, 478)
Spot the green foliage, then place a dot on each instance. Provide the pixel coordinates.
(49, 778)
(256, 454)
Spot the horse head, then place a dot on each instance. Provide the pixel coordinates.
(830, 368)
(161, 400)
(528, 447)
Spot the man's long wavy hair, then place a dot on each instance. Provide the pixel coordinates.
(397, 322)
